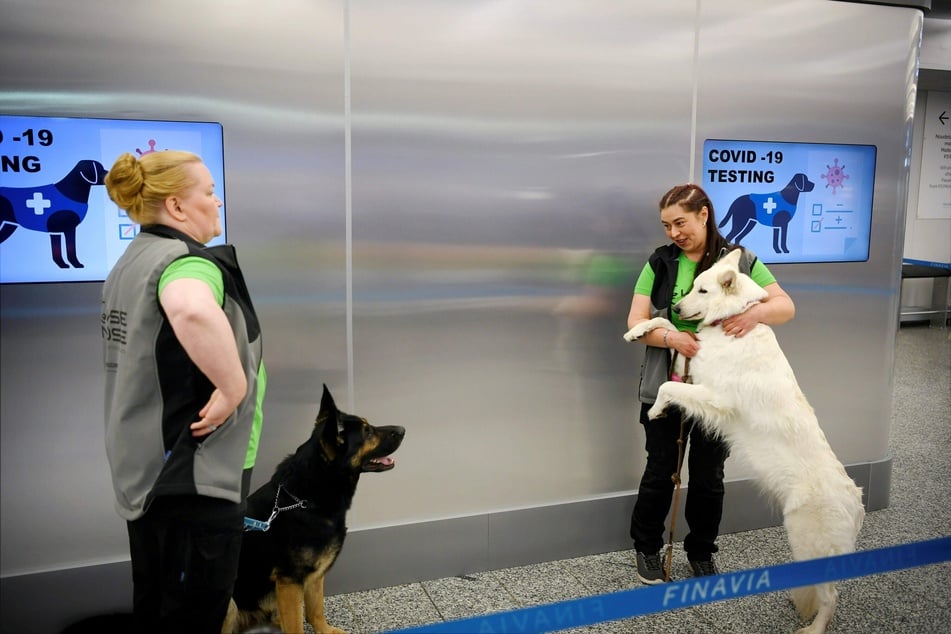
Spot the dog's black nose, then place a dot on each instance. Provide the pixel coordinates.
(394, 430)
(676, 308)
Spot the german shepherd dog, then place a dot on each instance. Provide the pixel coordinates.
(304, 506)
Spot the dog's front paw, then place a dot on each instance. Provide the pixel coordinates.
(645, 327)
(640, 330)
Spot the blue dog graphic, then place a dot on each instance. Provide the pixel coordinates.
(774, 209)
(55, 209)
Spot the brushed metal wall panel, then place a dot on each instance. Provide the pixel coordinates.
(503, 153)
(816, 78)
(274, 79)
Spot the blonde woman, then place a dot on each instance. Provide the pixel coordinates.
(184, 386)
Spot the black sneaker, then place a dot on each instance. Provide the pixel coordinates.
(650, 568)
(703, 567)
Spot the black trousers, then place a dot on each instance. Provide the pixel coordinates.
(185, 552)
(703, 509)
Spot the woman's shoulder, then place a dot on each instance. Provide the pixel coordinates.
(669, 251)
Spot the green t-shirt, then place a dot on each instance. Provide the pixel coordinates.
(194, 267)
(686, 271)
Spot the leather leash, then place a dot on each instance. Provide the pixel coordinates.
(680, 462)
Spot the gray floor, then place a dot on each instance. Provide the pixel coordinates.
(912, 600)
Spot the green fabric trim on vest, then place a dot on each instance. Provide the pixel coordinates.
(258, 421)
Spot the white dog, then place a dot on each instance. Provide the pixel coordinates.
(744, 390)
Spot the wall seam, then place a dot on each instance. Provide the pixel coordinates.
(348, 194)
(696, 90)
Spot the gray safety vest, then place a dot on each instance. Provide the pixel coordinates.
(153, 389)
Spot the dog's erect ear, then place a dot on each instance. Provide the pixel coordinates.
(327, 401)
(727, 280)
(327, 406)
(733, 258)
(727, 277)
(329, 416)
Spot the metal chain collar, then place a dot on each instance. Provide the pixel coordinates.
(253, 524)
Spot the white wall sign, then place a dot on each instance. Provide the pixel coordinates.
(934, 186)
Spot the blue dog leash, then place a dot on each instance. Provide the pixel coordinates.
(251, 524)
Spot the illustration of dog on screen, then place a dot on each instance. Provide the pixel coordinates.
(56, 209)
(774, 209)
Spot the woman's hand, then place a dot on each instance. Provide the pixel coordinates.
(777, 308)
(742, 324)
(213, 415)
(684, 342)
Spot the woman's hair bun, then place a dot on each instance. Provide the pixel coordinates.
(124, 183)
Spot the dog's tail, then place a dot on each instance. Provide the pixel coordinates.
(818, 601)
(806, 601)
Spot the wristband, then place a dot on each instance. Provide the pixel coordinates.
(666, 332)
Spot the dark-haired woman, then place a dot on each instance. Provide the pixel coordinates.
(686, 214)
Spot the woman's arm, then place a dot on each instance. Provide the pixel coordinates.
(205, 333)
(684, 342)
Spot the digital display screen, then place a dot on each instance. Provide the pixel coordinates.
(57, 224)
(792, 202)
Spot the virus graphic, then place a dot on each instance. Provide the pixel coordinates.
(836, 176)
(152, 148)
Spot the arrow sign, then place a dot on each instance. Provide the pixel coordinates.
(934, 201)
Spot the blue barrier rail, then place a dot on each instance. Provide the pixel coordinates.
(940, 265)
(672, 596)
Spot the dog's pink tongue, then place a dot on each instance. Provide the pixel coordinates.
(387, 461)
